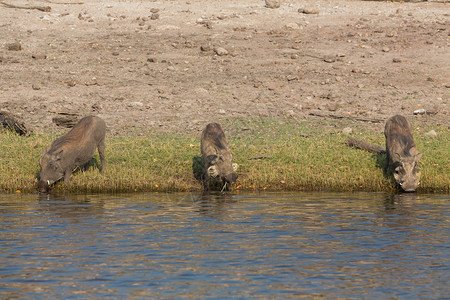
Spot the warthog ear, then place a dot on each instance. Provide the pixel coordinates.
(397, 156)
(212, 171)
(58, 155)
(210, 159)
(235, 167)
(418, 156)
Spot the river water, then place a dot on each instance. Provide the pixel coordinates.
(246, 246)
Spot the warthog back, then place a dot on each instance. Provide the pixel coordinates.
(402, 154)
(72, 150)
(218, 164)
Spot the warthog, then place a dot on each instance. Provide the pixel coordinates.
(218, 168)
(72, 150)
(402, 154)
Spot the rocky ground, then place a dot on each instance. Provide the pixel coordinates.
(177, 65)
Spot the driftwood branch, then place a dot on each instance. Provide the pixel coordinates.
(54, 2)
(41, 8)
(9, 121)
(352, 142)
(336, 116)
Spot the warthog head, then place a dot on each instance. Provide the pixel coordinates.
(221, 166)
(51, 170)
(406, 171)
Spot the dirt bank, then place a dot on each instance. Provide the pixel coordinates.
(176, 65)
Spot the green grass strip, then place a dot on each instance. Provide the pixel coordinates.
(294, 156)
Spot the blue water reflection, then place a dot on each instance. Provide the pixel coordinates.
(371, 246)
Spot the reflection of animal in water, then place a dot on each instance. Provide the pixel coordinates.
(401, 151)
(72, 150)
(217, 161)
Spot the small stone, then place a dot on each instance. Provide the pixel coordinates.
(431, 133)
(386, 49)
(347, 130)
(308, 11)
(396, 60)
(332, 106)
(14, 46)
(39, 56)
(329, 59)
(293, 26)
(154, 16)
(432, 110)
(35, 86)
(205, 48)
(273, 3)
(222, 111)
(154, 10)
(151, 59)
(419, 111)
(291, 78)
(115, 53)
(221, 51)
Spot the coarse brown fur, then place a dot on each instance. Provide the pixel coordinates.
(218, 168)
(402, 153)
(72, 150)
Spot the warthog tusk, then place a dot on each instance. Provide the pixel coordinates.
(224, 186)
(48, 182)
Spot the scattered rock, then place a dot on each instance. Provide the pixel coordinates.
(432, 110)
(154, 10)
(420, 111)
(71, 83)
(291, 78)
(273, 3)
(386, 49)
(308, 11)
(329, 59)
(115, 53)
(35, 86)
(293, 26)
(347, 130)
(332, 106)
(205, 48)
(151, 59)
(14, 46)
(431, 133)
(39, 56)
(154, 16)
(396, 60)
(221, 51)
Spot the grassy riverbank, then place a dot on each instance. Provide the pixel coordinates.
(273, 155)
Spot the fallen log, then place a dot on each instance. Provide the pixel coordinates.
(352, 142)
(10, 122)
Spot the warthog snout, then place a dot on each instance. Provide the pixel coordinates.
(43, 186)
(231, 178)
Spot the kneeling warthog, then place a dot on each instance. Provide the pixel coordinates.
(72, 150)
(218, 168)
(402, 154)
